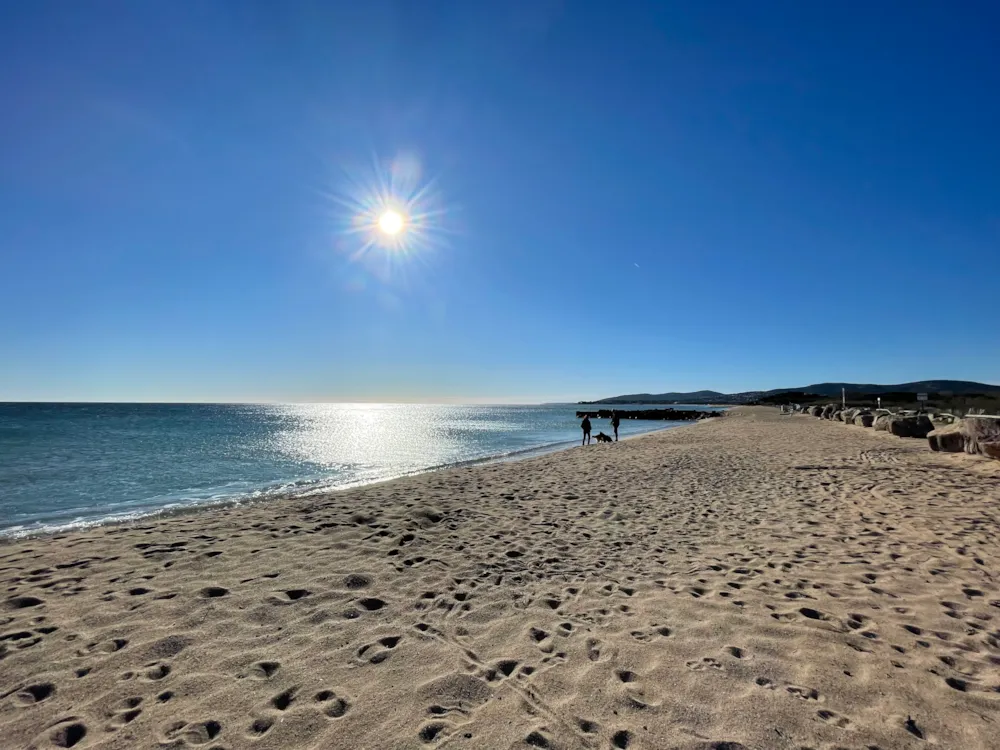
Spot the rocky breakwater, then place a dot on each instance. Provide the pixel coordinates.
(674, 415)
(975, 434)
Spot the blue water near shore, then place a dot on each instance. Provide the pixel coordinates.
(70, 465)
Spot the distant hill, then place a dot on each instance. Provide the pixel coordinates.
(659, 398)
(954, 387)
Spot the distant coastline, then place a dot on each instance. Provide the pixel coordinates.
(957, 393)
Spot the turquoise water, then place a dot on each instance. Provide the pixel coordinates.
(66, 465)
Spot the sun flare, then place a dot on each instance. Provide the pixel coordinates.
(391, 222)
(392, 219)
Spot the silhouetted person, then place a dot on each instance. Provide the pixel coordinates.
(615, 421)
(585, 425)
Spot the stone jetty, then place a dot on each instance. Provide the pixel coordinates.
(674, 415)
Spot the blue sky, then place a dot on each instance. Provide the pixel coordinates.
(620, 197)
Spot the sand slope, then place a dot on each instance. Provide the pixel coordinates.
(777, 582)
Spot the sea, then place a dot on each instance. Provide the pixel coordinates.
(65, 466)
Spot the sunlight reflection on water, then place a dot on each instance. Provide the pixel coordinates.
(411, 436)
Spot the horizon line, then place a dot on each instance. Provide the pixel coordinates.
(254, 402)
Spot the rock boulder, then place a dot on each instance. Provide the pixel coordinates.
(912, 426)
(864, 419)
(976, 434)
(882, 422)
(947, 439)
(982, 435)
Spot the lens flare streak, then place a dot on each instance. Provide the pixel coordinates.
(388, 216)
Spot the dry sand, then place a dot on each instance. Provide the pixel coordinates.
(757, 581)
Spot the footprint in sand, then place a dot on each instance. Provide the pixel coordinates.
(289, 596)
(156, 671)
(537, 739)
(911, 726)
(194, 733)
(503, 669)
(285, 698)
(103, 647)
(833, 718)
(372, 604)
(333, 705)
(543, 639)
(378, 652)
(957, 684)
(356, 581)
(264, 670)
(594, 649)
(803, 693)
(34, 694)
(433, 730)
(654, 631)
(213, 592)
(22, 602)
(260, 727)
(69, 732)
(621, 739)
(796, 691)
(20, 639)
(127, 712)
(856, 621)
(706, 662)
(813, 614)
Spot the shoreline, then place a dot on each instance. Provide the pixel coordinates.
(758, 582)
(282, 492)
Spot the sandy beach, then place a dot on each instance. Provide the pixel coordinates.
(755, 581)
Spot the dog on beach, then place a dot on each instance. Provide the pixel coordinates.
(600, 437)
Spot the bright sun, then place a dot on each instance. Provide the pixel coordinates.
(391, 222)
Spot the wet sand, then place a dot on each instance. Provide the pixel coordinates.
(755, 581)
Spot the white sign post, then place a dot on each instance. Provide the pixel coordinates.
(921, 397)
